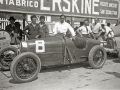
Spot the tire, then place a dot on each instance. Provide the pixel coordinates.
(111, 43)
(97, 57)
(119, 55)
(18, 66)
(4, 62)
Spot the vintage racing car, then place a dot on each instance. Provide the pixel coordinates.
(54, 51)
(112, 45)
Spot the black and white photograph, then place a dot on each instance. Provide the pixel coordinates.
(59, 44)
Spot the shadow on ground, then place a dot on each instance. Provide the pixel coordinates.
(65, 67)
(58, 68)
(14, 82)
(116, 60)
(116, 74)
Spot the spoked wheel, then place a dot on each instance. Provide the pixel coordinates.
(97, 57)
(111, 43)
(25, 67)
(7, 54)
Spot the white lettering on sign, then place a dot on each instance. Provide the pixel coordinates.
(36, 4)
(43, 7)
(23, 3)
(74, 5)
(102, 11)
(11, 2)
(112, 5)
(66, 9)
(31, 3)
(40, 46)
(58, 2)
(93, 7)
(71, 7)
(82, 6)
(111, 12)
(88, 6)
(18, 2)
(104, 4)
(1, 1)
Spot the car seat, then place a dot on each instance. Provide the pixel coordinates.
(80, 42)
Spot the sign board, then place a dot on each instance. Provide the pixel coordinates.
(84, 8)
(47, 18)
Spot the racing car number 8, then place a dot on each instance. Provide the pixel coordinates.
(40, 46)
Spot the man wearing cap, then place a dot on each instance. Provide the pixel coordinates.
(12, 30)
(44, 32)
(33, 28)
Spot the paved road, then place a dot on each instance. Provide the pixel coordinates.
(74, 77)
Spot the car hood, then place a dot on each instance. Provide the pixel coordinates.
(45, 45)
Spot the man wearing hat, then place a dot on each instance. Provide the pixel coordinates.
(12, 30)
(33, 28)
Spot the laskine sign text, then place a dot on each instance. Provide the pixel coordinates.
(85, 8)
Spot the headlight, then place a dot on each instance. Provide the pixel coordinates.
(23, 47)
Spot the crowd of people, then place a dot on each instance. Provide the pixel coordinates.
(96, 30)
(32, 30)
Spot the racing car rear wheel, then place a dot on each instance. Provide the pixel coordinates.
(7, 54)
(97, 57)
(25, 67)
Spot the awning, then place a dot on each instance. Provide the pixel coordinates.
(111, 21)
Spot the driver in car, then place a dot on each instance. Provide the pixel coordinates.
(63, 27)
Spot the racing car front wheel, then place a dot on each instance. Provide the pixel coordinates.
(97, 57)
(25, 67)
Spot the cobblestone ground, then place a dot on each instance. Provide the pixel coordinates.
(73, 77)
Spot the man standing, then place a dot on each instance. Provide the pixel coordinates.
(97, 29)
(13, 31)
(109, 32)
(43, 28)
(33, 28)
(85, 30)
(63, 27)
